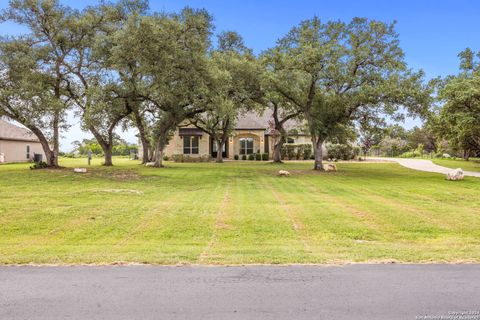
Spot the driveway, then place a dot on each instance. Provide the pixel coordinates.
(254, 292)
(425, 165)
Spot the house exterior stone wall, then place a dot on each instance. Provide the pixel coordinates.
(248, 126)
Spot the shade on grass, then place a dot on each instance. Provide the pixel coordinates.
(236, 212)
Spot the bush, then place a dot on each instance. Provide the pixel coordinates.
(67, 155)
(307, 151)
(251, 157)
(244, 157)
(39, 165)
(165, 158)
(340, 151)
(258, 156)
(236, 157)
(265, 156)
(291, 151)
(410, 154)
(187, 158)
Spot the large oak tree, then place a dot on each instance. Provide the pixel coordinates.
(335, 73)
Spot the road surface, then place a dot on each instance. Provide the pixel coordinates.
(255, 292)
(425, 165)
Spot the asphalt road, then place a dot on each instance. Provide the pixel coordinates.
(254, 292)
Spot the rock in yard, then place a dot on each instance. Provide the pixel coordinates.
(150, 164)
(284, 173)
(330, 167)
(80, 170)
(456, 174)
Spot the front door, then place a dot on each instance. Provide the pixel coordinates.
(213, 147)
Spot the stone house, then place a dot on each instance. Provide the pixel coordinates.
(18, 144)
(251, 135)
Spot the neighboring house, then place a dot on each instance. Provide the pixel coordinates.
(18, 144)
(251, 135)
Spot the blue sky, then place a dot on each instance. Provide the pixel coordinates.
(432, 33)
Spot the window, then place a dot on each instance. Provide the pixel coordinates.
(290, 140)
(28, 152)
(190, 145)
(246, 145)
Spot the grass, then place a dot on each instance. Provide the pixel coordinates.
(471, 165)
(235, 213)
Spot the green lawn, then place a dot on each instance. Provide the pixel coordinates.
(471, 165)
(235, 213)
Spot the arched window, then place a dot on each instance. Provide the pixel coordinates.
(246, 145)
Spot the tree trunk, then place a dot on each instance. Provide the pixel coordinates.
(219, 150)
(159, 153)
(50, 155)
(466, 154)
(108, 156)
(277, 150)
(143, 137)
(56, 144)
(318, 151)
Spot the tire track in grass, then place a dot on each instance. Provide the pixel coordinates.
(392, 203)
(218, 225)
(297, 225)
(146, 219)
(345, 211)
(386, 226)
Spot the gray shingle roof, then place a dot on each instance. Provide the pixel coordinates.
(10, 131)
(253, 120)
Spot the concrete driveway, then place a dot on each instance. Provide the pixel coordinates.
(425, 165)
(253, 292)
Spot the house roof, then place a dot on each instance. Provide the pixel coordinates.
(9, 131)
(254, 121)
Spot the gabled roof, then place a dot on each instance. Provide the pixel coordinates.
(9, 131)
(254, 121)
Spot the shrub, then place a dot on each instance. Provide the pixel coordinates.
(340, 151)
(39, 165)
(258, 156)
(290, 151)
(301, 151)
(410, 154)
(307, 151)
(251, 157)
(244, 157)
(265, 156)
(235, 157)
(187, 158)
(165, 158)
(67, 154)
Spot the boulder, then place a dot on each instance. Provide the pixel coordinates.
(284, 173)
(456, 174)
(80, 170)
(330, 167)
(150, 164)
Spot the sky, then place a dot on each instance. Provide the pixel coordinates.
(432, 33)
